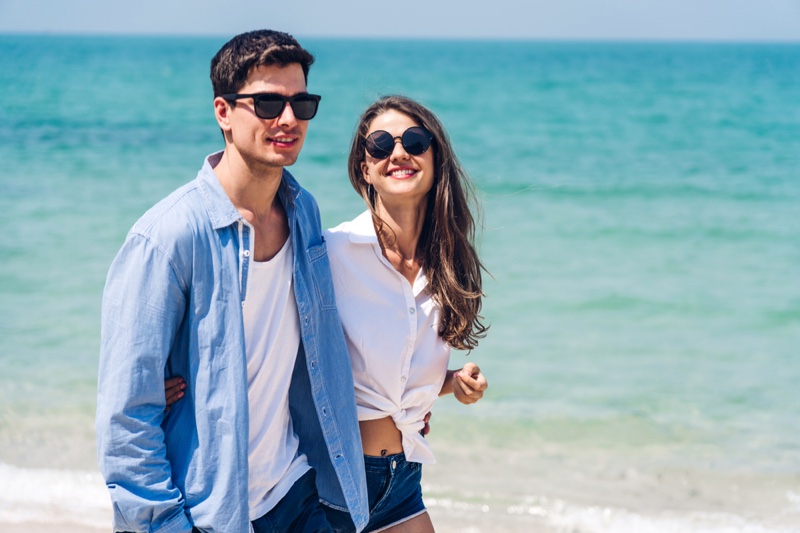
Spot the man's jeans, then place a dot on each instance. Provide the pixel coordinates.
(299, 510)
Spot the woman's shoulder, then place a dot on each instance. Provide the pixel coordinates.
(337, 238)
(348, 241)
(360, 229)
(337, 235)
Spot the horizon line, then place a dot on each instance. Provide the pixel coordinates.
(438, 38)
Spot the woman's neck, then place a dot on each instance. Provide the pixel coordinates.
(399, 238)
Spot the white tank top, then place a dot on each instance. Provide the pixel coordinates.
(272, 335)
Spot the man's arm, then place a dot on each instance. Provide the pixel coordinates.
(143, 306)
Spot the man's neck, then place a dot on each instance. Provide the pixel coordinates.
(251, 187)
(253, 192)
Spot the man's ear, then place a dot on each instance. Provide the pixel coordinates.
(222, 110)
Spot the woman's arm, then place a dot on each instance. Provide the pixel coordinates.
(466, 384)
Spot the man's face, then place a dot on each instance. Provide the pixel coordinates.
(265, 142)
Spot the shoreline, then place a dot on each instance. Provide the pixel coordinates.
(443, 520)
(525, 493)
(42, 527)
(455, 519)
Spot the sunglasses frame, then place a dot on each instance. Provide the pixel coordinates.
(367, 143)
(275, 97)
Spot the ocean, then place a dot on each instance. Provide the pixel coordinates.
(641, 228)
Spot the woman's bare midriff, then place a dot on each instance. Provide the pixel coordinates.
(380, 437)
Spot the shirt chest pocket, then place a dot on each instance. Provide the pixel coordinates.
(321, 275)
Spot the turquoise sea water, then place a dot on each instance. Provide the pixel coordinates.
(641, 225)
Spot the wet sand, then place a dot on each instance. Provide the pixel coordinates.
(445, 521)
(37, 527)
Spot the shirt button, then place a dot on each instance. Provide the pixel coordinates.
(246, 253)
(403, 379)
(412, 310)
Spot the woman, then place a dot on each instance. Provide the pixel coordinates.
(408, 289)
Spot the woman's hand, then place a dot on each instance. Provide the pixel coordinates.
(467, 384)
(427, 429)
(173, 390)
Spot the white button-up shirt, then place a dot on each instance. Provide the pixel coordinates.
(399, 359)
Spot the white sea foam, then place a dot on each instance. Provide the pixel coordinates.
(541, 514)
(53, 496)
(609, 520)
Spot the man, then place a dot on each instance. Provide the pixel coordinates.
(226, 283)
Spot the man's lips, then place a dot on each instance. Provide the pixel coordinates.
(283, 140)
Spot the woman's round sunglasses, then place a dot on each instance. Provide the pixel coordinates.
(271, 105)
(415, 140)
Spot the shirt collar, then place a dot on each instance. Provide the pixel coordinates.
(220, 209)
(362, 230)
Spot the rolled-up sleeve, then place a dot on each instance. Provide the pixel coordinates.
(144, 304)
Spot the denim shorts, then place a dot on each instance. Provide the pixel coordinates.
(394, 490)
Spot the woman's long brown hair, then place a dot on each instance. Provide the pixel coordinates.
(446, 246)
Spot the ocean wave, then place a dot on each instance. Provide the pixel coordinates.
(545, 515)
(52, 496)
(778, 191)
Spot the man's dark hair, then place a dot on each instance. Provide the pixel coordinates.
(232, 64)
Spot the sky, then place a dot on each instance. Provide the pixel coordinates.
(703, 20)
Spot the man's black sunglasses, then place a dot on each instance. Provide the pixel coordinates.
(415, 140)
(271, 105)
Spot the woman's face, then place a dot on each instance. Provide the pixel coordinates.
(401, 177)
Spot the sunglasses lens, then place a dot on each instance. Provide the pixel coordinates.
(268, 105)
(379, 144)
(416, 140)
(305, 107)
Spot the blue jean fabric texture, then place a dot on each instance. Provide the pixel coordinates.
(394, 489)
(300, 511)
(172, 306)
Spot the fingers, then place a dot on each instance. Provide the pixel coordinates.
(463, 392)
(426, 420)
(471, 375)
(173, 390)
(471, 368)
(480, 383)
(469, 384)
(171, 382)
(171, 399)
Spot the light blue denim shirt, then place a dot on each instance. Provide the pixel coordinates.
(172, 306)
